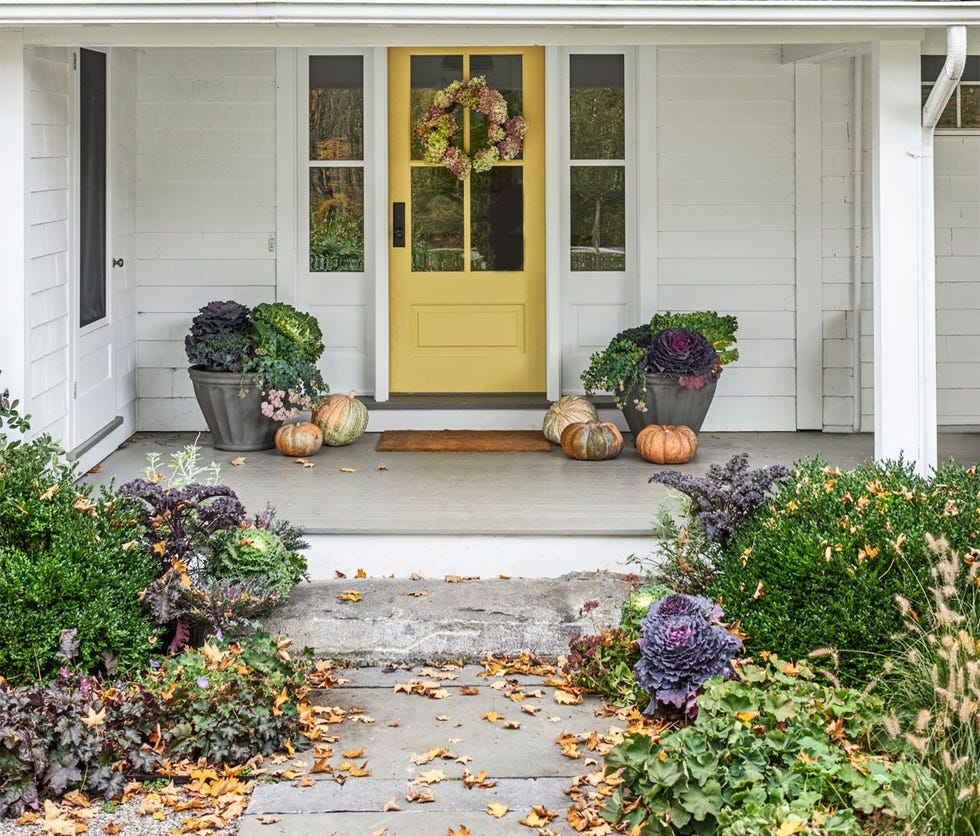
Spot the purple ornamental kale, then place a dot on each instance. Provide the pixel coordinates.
(725, 497)
(685, 354)
(681, 647)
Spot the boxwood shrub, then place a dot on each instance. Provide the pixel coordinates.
(820, 566)
(69, 559)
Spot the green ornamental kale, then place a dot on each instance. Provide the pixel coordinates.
(285, 333)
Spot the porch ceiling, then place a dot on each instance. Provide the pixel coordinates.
(615, 13)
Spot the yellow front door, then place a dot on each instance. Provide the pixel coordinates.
(467, 284)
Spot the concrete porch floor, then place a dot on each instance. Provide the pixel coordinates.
(523, 514)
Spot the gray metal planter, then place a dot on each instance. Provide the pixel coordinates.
(667, 402)
(236, 423)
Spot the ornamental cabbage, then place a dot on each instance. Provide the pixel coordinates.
(284, 333)
(685, 354)
(682, 645)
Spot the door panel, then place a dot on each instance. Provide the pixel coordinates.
(467, 282)
(94, 384)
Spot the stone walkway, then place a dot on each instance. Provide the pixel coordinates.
(438, 725)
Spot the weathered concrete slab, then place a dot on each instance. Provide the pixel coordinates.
(452, 621)
(406, 823)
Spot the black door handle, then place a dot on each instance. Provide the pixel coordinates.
(398, 225)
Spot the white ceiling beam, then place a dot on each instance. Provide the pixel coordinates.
(818, 53)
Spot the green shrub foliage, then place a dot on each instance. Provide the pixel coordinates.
(773, 752)
(821, 565)
(69, 559)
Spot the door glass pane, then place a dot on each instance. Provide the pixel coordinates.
(92, 188)
(504, 74)
(437, 221)
(497, 219)
(336, 107)
(597, 107)
(336, 220)
(598, 218)
(969, 106)
(431, 73)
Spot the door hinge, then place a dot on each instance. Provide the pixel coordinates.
(74, 61)
(74, 391)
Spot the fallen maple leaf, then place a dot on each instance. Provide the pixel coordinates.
(238, 461)
(567, 698)
(267, 819)
(112, 828)
(352, 754)
(348, 470)
(430, 755)
(469, 691)
(433, 776)
(417, 795)
(418, 593)
(492, 717)
(498, 811)
(360, 573)
(442, 718)
(304, 462)
(339, 575)
(539, 816)
(512, 724)
(351, 595)
(463, 831)
(391, 805)
(381, 466)
(531, 709)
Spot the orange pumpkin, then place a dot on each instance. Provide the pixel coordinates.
(302, 439)
(666, 444)
(591, 441)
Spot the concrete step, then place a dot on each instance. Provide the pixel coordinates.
(431, 619)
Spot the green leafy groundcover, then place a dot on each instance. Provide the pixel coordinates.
(774, 752)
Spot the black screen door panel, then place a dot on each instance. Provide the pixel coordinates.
(92, 188)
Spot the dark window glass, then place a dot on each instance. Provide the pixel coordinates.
(497, 219)
(597, 107)
(336, 107)
(92, 188)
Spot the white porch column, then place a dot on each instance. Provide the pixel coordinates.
(904, 308)
(13, 279)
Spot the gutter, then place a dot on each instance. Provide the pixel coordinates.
(939, 97)
(615, 13)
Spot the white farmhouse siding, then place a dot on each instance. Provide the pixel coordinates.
(205, 215)
(838, 132)
(726, 216)
(47, 144)
(957, 166)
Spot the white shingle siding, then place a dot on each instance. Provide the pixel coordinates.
(205, 206)
(726, 217)
(958, 278)
(49, 80)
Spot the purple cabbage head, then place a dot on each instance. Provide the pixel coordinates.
(685, 354)
(682, 645)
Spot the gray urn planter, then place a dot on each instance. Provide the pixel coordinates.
(667, 402)
(236, 423)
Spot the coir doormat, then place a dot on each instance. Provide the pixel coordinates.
(463, 441)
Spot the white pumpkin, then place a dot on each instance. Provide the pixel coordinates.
(569, 409)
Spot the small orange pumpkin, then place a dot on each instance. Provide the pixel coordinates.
(591, 441)
(341, 418)
(302, 439)
(666, 444)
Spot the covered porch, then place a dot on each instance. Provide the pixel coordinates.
(481, 514)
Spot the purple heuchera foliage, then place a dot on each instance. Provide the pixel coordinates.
(685, 354)
(682, 645)
(724, 497)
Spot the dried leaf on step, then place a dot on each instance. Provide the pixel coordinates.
(463, 831)
(503, 577)
(498, 811)
(348, 470)
(469, 691)
(491, 716)
(95, 469)
(349, 595)
(238, 461)
(267, 819)
(360, 573)
(418, 593)
(391, 805)
(539, 816)
(415, 576)
(567, 698)
(433, 776)
(339, 575)
(418, 795)
(512, 724)
(381, 466)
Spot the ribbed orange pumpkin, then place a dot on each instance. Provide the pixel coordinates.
(666, 444)
(302, 439)
(567, 410)
(591, 441)
(342, 419)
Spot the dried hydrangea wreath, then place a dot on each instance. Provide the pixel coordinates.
(437, 129)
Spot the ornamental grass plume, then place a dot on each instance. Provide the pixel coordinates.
(934, 691)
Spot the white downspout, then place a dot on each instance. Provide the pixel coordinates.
(857, 231)
(939, 97)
